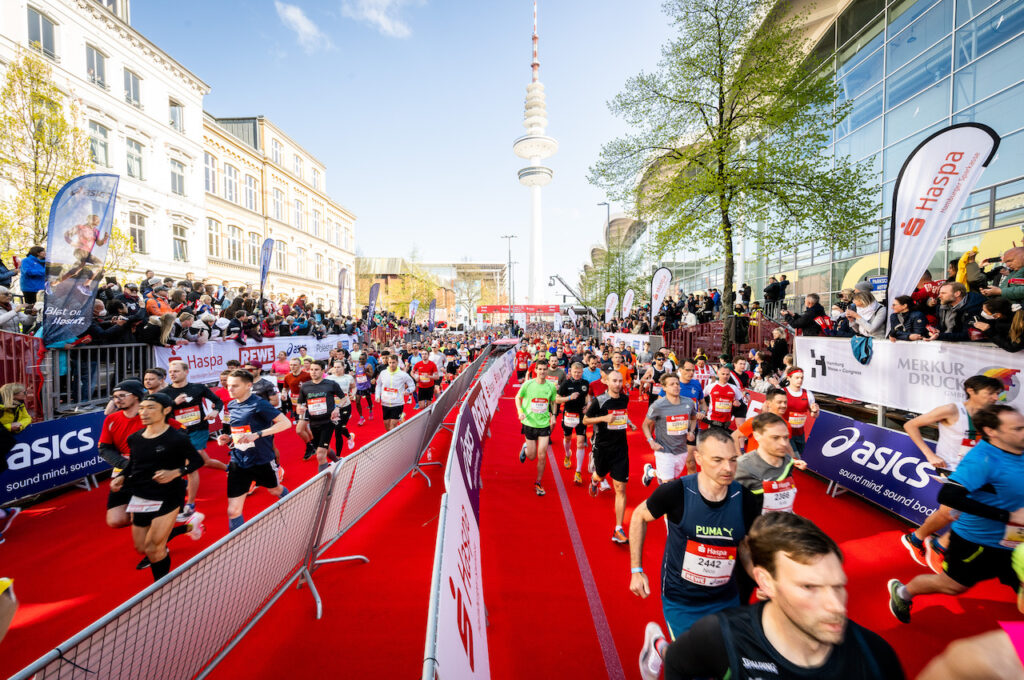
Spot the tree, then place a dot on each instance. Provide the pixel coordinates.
(468, 292)
(730, 138)
(614, 270)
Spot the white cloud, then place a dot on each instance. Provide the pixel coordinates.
(384, 15)
(311, 38)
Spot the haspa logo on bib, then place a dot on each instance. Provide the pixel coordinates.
(879, 458)
(262, 353)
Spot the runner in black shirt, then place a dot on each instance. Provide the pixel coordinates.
(610, 455)
(799, 570)
(572, 394)
(318, 406)
(160, 456)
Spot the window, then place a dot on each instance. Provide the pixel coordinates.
(234, 243)
(251, 191)
(180, 241)
(231, 183)
(98, 144)
(332, 270)
(298, 215)
(275, 151)
(178, 177)
(992, 28)
(280, 256)
(300, 261)
(137, 224)
(254, 248)
(210, 173)
(316, 179)
(96, 66)
(213, 237)
(109, 4)
(41, 34)
(316, 223)
(131, 89)
(134, 159)
(319, 267)
(297, 167)
(277, 205)
(175, 115)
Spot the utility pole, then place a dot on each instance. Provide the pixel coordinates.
(509, 238)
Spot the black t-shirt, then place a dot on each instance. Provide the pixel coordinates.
(609, 436)
(570, 386)
(732, 643)
(190, 413)
(668, 499)
(169, 451)
(319, 400)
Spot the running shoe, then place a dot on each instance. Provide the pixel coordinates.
(85, 289)
(196, 522)
(252, 489)
(619, 536)
(280, 474)
(650, 660)
(362, 421)
(538, 488)
(578, 481)
(648, 474)
(594, 486)
(186, 512)
(915, 546)
(899, 607)
(351, 442)
(935, 554)
(522, 454)
(11, 513)
(567, 462)
(308, 454)
(143, 563)
(605, 485)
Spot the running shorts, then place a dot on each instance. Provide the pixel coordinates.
(144, 519)
(200, 438)
(968, 563)
(579, 428)
(322, 434)
(614, 463)
(534, 433)
(424, 393)
(391, 412)
(116, 499)
(240, 478)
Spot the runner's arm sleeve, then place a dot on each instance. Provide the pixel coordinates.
(698, 653)
(111, 455)
(954, 495)
(193, 461)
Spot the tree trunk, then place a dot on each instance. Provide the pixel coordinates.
(726, 292)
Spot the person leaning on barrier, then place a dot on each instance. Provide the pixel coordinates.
(957, 310)
(906, 323)
(14, 418)
(13, 316)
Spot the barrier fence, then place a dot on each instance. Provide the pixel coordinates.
(685, 342)
(208, 604)
(20, 362)
(82, 378)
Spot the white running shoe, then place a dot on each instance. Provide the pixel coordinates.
(196, 522)
(648, 476)
(187, 511)
(351, 441)
(650, 660)
(604, 485)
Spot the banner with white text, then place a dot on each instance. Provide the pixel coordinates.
(611, 303)
(659, 290)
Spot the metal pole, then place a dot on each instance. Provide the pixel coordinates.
(509, 238)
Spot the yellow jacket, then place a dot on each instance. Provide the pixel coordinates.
(17, 414)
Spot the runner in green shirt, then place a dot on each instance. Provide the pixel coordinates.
(537, 406)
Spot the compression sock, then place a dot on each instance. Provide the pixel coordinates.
(161, 568)
(581, 453)
(235, 522)
(179, 530)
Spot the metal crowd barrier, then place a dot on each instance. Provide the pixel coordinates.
(82, 378)
(209, 603)
(21, 361)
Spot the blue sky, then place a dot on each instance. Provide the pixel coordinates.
(413, 105)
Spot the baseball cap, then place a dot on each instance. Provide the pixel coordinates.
(131, 387)
(160, 398)
(256, 364)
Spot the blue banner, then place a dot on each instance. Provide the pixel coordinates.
(52, 453)
(342, 282)
(413, 306)
(81, 219)
(265, 252)
(884, 466)
(374, 292)
(430, 317)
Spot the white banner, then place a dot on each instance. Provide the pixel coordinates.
(913, 376)
(206, 361)
(611, 303)
(632, 340)
(572, 315)
(659, 290)
(929, 192)
(557, 321)
(627, 303)
(492, 382)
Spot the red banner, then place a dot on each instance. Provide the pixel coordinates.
(518, 309)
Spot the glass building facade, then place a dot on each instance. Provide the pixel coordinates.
(910, 68)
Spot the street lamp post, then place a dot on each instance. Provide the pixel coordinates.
(509, 238)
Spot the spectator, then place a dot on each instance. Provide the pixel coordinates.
(33, 273)
(779, 348)
(783, 286)
(13, 316)
(996, 323)
(868, 318)
(811, 321)
(159, 303)
(158, 331)
(13, 414)
(906, 323)
(958, 309)
(1013, 289)
(771, 296)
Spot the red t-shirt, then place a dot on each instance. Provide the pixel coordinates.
(597, 388)
(116, 429)
(292, 382)
(798, 408)
(423, 373)
(522, 360)
(721, 398)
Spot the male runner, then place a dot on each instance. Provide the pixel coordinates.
(799, 632)
(800, 405)
(768, 470)
(190, 412)
(723, 397)
(522, 363)
(988, 490)
(363, 374)
(262, 386)
(690, 387)
(957, 436)
(318, 411)
(592, 373)
(392, 386)
(426, 373)
(674, 422)
(709, 515)
(572, 394)
(536, 403)
(775, 401)
(293, 380)
(610, 453)
(650, 381)
(154, 380)
(252, 422)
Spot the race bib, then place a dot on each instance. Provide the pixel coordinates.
(236, 432)
(522, 365)
(137, 504)
(677, 425)
(797, 420)
(538, 405)
(425, 378)
(708, 565)
(552, 379)
(362, 382)
(779, 495)
(188, 416)
(619, 419)
(570, 419)
(1013, 536)
(966, 444)
(723, 406)
(317, 406)
(390, 396)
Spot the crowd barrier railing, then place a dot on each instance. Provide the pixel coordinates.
(208, 604)
(82, 378)
(21, 362)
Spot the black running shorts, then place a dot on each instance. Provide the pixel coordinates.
(322, 433)
(534, 433)
(240, 478)
(391, 412)
(144, 519)
(579, 428)
(968, 563)
(118, 498)
(424, 393)
(614, 463)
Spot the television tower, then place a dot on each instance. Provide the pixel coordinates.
(535, 146)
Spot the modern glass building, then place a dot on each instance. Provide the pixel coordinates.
(910, 67)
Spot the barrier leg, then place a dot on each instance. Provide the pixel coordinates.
(417, 469)
(307, 578)
(334, 560)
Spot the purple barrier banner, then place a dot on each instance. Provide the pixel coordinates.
(468, 444)
(881, 465)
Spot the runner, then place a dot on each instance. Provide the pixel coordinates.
(800, 631)
(426, 373)
(775, 401)
(339, 374)
(252, 422)
(363, 375)
(987, 489)
(709, 515)
(293, 381)
(799, 407)
(522, 363)
(392, 386)
(610, 453)
(154, 380)
(690, 387)
(674, 419)
(536, 403)
(318, 411)
(957, 436)
(152, 478)
(723, 397)
(572, 394)
(768, 469)
(650, 381)
(190, 412)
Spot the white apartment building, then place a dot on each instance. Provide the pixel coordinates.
(143, 112)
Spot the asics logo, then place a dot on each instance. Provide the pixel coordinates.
(841, 442)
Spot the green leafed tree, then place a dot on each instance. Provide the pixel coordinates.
(729, 139)
(614, 270)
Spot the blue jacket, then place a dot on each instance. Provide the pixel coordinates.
(33, 274)
(911, 323)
